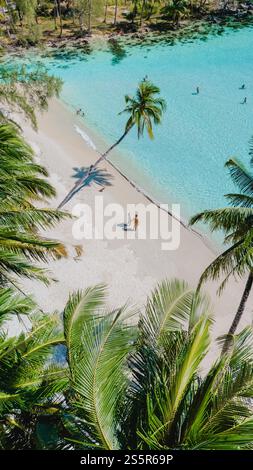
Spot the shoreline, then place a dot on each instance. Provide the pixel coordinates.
(208, 240)
(188, 26)
(130, 268)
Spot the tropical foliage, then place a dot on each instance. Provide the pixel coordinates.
(26, 91)
(24, 187)
(123, 385)
(26, 18)
(23, 183)
(28, 380)
(236, 222)
(31, 385)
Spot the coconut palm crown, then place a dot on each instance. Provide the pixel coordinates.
(22, 184)
(124, 385)
(236, 222)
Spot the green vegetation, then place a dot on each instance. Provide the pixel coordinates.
(22, 181)
(27, 22)
(123, 386)
(236, 223)
(21, 184)
(118, 379)
(27, 91)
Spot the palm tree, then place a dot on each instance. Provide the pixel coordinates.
(237, 224)
(31, 385)
(105, 11)
(115, 12)
(176, 9)
(123, 385)
(58, 14)
(141, 388)
(143, 4)
(10, 13)
(144, 110)
(89, 15)
(22, 183)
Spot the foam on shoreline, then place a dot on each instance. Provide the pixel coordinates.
(85, 137)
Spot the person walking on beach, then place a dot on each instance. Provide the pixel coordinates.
(136, 222)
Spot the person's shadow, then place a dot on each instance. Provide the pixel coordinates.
(126, 227)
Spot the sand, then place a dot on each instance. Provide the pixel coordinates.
(130, 268)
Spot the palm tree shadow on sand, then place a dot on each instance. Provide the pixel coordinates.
(97, 176)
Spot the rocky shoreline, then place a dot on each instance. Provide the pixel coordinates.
(221, 18)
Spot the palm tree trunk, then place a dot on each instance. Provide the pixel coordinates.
(115, 12)
(12, 24)
(82, 180)
(20, 16)
(7, 23)
(106, 7)
(239, 313)
(142, 11)
(89, 16)
(81, 22)
(56, 13)
(60, 17)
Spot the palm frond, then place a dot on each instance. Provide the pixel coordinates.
(97, 374)
(240, 176)
(226, 219)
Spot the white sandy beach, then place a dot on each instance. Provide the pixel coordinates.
(131, 268)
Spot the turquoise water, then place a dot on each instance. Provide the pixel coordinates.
(185, 162)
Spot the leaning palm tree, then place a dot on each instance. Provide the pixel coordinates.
(144, 109)
(22, 183)
(140, 387)
(237, 224)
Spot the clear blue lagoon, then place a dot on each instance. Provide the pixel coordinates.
(185, 162)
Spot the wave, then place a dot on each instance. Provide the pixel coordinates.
(85, 137)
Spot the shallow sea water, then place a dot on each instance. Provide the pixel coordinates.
(185, 162)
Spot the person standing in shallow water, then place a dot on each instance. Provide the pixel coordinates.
(245, 100)
(197, 90)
